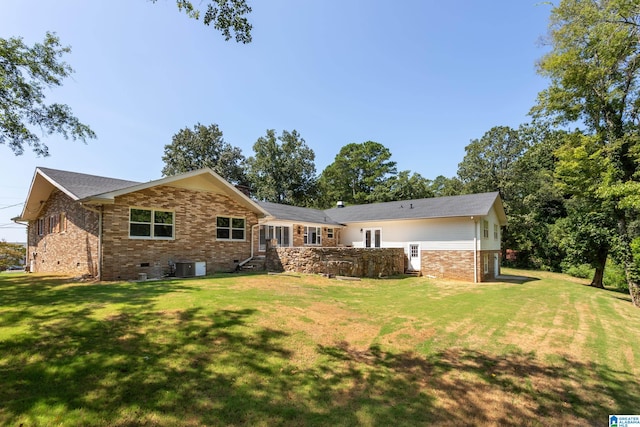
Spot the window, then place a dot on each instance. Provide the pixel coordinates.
(53, 223)
(372, 237)
(329, 233)
(63, 222)
(280, 233)
(312, 235)
(228, 228)
(485, 229)
(152, 224)
(496, 231)
(40, 226)
(486, 263)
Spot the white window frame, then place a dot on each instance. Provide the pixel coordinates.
(485, 229)
(231, 228)
(318, 231)
(330, 233)
(496, 232)
(40, 226)
(152, 224)
(486, 263)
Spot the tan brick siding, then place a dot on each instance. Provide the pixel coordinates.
(195, 215)
(448, 264)
(71, 248)
(457, 265)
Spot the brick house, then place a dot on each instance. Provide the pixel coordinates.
(115, 229)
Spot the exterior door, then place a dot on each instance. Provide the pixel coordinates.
(414, 257)
(496, 265)
(372, 237)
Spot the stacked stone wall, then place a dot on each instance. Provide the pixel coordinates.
(355, 262)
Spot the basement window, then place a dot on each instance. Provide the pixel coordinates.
(150, 224)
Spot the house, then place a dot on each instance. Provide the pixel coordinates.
(115, 229)
(456, 237)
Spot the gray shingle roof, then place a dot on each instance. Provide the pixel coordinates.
(83, 185)
(437, 207)
(295, 213)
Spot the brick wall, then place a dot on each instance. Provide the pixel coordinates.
(195, 233)
(457, 265)
(71, 247)
(357, 262)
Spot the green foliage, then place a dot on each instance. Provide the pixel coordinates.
(594, 70)
(356, 172)
(25, 73)
(442, 186)
(203, 147)
(227, 16)
(582, 271)
(11, 254)
(283, 172)
(402, 186)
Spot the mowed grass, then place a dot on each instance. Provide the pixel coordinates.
(256, 350)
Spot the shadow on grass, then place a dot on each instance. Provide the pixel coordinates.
(214, 366)
(518, 280)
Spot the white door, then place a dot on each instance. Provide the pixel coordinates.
(372, 237)
(414, 256)
(496, 265)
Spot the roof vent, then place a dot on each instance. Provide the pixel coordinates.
(340, 204)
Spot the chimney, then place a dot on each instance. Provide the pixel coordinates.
(245, 189)
(340, 204)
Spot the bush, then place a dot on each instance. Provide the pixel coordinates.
(583, 271)
(614, 276)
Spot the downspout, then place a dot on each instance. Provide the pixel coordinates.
(475, 250)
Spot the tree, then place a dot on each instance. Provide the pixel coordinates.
(10, 254)
(204, 147)
(402, 186)
(489, 162)
(227, 16)
(25, 72)
(442, 186)
(355, 172)
(593, 67)
(283, 172)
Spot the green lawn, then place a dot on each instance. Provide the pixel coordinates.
(305, 350)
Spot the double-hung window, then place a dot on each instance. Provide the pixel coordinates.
(312, 235)
(40, 226)
(496, 232)
(151, 224)
(485, 229)
(229, 228)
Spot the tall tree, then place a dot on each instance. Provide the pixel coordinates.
(203, 147)
(442, 186)
(25, 72)
(282, 169)
(355, 172)
(403, 186)
(226, 16)
(593, 67)
(489, 162)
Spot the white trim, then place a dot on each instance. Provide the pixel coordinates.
(152, 224)
(231, 228)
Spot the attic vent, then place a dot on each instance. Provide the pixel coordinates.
(340, 204)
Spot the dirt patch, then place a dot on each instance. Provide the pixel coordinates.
(322, 324)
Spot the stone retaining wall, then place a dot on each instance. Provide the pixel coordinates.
(354, 262)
